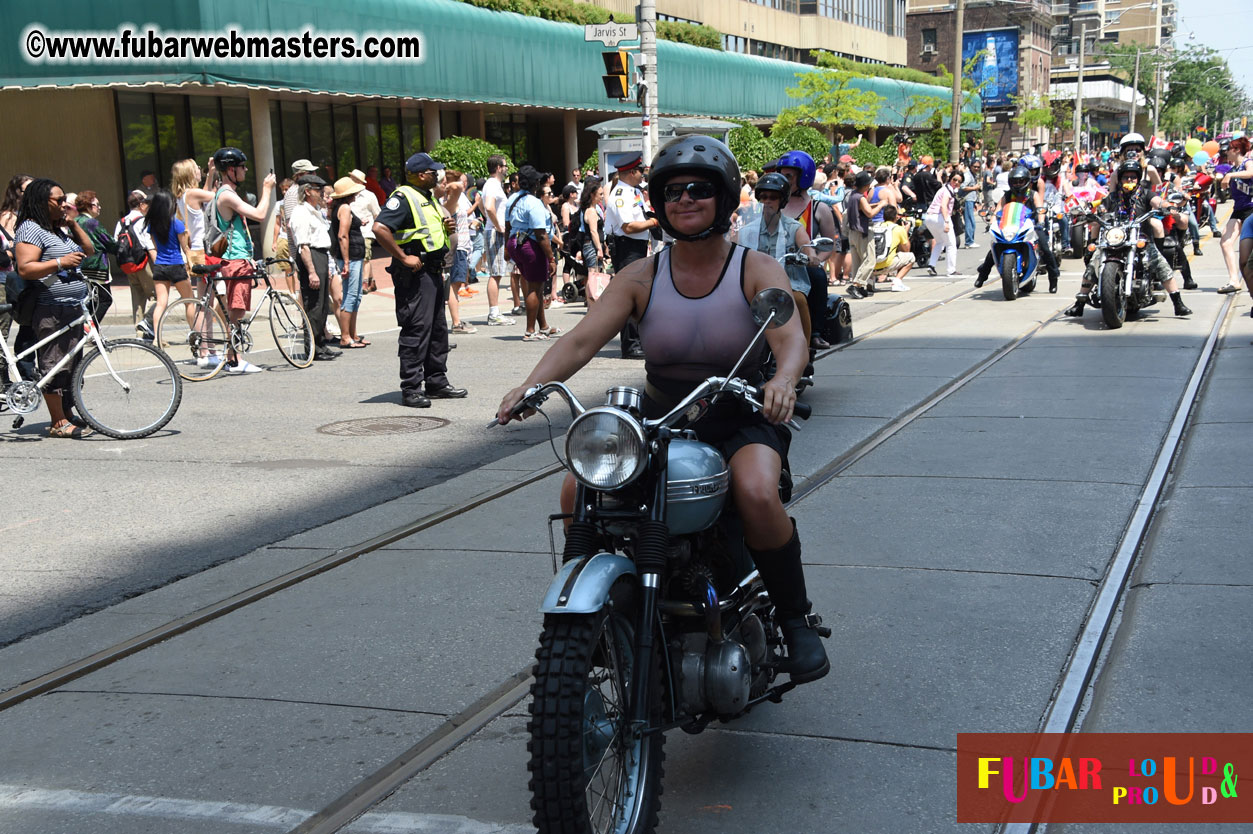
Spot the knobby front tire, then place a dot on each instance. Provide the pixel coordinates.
(589, 774)
(145, 400)
(188, 332)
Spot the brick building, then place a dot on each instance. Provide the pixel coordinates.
(1016, 36)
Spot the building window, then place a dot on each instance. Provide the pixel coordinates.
(674, 19)
(928, 39)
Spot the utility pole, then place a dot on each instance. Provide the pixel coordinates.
(1157, 99)
(648, 52)
(955, 130)
(1079, 83)
(1135, 92)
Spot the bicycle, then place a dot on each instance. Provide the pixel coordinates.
(195, 333)
(123, 388)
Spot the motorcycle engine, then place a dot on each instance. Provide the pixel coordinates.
(714, 676)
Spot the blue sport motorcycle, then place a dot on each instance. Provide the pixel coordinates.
(1015, 250)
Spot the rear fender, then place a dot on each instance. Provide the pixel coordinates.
(582, 585)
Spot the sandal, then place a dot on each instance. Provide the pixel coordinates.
(534, 337)
(362, 342)
(462, 327)
(350, 345)
(68, 429)
(551, 332)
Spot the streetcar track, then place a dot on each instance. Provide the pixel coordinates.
(109, 655)
(1103, 618)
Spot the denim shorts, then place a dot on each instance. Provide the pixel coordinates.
(1246, 228)
(460, 267)
(352, 287)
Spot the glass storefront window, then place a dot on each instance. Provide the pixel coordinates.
(238, 123)
(139, 141)
(345, 138)
(206, 127)
(389, 130)
(295, 133)
(321, 139)
(173, 141)
(410, 133)
(368, 138)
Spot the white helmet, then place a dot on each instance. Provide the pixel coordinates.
(1131, 139)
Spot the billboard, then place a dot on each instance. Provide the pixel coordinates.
(997, 65)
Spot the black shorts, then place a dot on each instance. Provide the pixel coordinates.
(171, 273)
(1240, 215)
(728, 426)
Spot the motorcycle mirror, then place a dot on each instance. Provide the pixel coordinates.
(822, 244)
(772, 300)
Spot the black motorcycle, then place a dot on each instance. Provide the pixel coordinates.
(658, 618)
(1123, 286)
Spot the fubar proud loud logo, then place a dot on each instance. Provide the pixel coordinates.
(1103, 777)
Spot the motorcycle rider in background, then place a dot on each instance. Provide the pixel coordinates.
(700, 328)
(1131, 197)
(1022, 189)
(818, 220)
(776, 234)
(1056, 190)
(1158, 159)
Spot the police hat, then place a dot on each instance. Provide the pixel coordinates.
(628, 161)
(420, 162)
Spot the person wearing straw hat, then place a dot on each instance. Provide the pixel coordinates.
(348, 245)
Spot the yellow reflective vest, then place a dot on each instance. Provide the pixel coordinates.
(428, 228)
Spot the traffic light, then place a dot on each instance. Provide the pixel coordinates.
(617, 71)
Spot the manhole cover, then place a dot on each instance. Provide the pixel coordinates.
(382, 425)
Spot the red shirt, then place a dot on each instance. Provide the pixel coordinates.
(372, 184)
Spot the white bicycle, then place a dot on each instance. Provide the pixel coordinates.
(123, 388)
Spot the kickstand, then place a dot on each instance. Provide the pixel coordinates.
(18, 421)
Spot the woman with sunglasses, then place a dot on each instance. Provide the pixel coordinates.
(692, 304)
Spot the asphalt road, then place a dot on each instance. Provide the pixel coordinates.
(955, 565)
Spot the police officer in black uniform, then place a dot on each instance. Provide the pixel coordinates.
(415, 234)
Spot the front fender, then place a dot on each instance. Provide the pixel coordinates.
(582, 585)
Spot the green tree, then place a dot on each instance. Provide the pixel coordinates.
(463, 153)
(1032, 112)
(751, 147)
(829, 100)
(799, 138)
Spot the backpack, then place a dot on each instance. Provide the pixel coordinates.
(131, 254)
(881, 232)
(215, 240)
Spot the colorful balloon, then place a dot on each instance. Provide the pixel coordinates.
(1200, 158)
(1193, 146)
(1211, 148)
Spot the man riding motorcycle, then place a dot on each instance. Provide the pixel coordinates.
(776, 234)
(698, 327)
(818, 220)
(1132, 197)
(1022, 190)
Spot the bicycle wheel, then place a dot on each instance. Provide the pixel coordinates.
(196, 339)
(129, 391)
(292, 332)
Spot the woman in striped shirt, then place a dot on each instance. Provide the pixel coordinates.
(44, 253)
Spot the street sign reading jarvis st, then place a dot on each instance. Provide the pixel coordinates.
(611, 34)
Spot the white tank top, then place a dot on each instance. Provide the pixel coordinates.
(193, 219)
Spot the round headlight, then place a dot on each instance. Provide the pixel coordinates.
(1116, 236)
(605, 448)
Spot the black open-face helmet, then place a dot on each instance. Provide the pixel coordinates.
(1159, 158)
(1130, 168)
(774, 181)
(1019, 180)
(706, 157)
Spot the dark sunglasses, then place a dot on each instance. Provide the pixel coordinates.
(769, 195)
(696, 190)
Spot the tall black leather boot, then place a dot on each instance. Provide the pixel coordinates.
(784, 576)
(1180, 309)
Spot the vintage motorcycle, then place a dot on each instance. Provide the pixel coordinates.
(1015, 250)
(658, 618)
(1123, 286)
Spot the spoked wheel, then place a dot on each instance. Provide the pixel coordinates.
(131, 390)
(1113, 302)
(292, 332)
(1009, 275)
(590, 774)
(195, 338)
